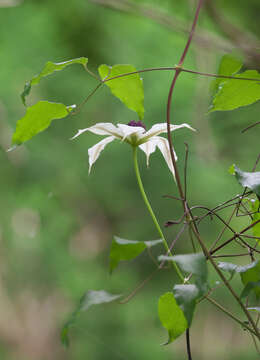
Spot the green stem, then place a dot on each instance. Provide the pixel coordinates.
(146, 201)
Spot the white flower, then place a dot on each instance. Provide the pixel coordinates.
(135, 134)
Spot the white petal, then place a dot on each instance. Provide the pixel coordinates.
(102, 129)
(95, 150)
(148, 148)
(128, 130)
(162, 128)
(163, 145)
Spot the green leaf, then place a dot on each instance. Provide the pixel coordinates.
(248, 179)
(122, 249)
(231, 169)
(192, 263)
(129, 89)
(171, 316)
(255, 207)
(236, 268)
(228, 66)
(249, 287)
(252, 275)
(90, 298)
(233, 94)
(249, 274)
(186, 296)
(229, 267)
(49, 68)
(38, 118)
(256, 308)
(64, 335)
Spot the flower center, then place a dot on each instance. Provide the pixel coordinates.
(136, 123)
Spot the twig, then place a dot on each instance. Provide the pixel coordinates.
(233, 237)
(231, 255)
(203, 38)
(181, 69)
(78, 108)
(223, 230)
(241, 38)
(250, 127)
(224, 310)
(139, 287)
(185, 170)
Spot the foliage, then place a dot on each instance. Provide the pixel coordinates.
(122, 249)
(38, 118)
(90, 298)
(49, 68)
(176, 308)
(128, 89)
(171, 316)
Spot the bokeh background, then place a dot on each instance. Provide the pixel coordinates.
(57, 223)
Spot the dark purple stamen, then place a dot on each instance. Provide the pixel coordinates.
(136, 123)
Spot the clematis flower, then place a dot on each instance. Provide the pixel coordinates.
(135, 134)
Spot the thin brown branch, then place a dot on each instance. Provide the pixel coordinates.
(228, 313)
(230, 255)
(243, 39)
(203, 38)
(234, 237)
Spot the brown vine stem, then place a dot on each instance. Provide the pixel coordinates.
(250, 127)
(255, 343)
(181, 69)
(139, 287)
(78, 108)
(228, 286)
(235, 236)
(160, 267)
(168, 119)
(224, 229)
(178, 181)
(169, 21)
(222, 206)
(215, 303)
(229, 255)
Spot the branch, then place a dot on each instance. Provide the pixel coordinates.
(203, 38)
(243, 39)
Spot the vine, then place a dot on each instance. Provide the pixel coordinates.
(176, 307)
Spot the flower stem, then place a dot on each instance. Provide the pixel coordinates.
(147, 203)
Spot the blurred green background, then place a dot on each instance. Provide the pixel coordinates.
(57, 223)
